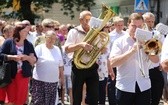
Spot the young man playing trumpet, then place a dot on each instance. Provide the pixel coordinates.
(132, 82)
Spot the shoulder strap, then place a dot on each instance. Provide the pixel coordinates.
(80, 31)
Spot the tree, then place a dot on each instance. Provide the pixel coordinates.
(24, 11)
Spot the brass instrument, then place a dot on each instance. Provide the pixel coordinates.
(152, 47)
(84, 59)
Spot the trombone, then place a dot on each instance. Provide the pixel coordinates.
(150, 45)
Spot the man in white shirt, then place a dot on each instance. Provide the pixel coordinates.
(132, 81)
(81, 76)
(157, 81)
(115, 34)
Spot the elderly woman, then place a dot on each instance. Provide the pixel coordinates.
(47, 72)
(21, 63)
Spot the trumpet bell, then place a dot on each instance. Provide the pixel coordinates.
(152, 47)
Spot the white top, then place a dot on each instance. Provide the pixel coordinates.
(47, 66)
(102, 60)
(164, 52)
(103, 67)
(152, 65)
(20, 50)
(74, 36)
(67, 62)
(129, 72)
(31, 37)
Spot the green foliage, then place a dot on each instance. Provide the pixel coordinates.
(25, 12)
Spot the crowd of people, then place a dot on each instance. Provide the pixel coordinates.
(41, 60)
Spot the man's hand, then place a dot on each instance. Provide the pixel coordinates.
(111, 73)
(104, 50)
(86, 46)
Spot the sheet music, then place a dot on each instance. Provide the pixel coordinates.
(163, 29)
(95, 22)
(142, 35)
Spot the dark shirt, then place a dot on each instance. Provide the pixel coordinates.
(9, 48)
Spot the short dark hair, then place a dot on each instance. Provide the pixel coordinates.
(134, 16)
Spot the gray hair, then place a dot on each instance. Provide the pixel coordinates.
(148, 14)
(84, 13)
(46, 22)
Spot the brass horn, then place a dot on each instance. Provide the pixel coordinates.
(152, 47)
(97, 39)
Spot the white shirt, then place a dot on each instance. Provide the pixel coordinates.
(47, 66)
(161, 39)
(129, 72)
(74, 36)
(103, 67)
(164, 52)
(31, 37)
(67, 62)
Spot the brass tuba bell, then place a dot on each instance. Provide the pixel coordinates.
(97, 39)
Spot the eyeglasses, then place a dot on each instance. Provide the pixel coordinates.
(56, 29)
(49, 26)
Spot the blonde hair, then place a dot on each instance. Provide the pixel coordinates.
(7, 28)
(50, 33)
(117, 19)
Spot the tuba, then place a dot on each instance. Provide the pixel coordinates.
(84, 59)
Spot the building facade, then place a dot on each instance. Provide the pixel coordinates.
(125, 7)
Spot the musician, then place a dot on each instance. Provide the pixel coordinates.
(88, 76)
(157, 81)
(133, 86)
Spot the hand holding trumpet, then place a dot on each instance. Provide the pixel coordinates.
(136, 46)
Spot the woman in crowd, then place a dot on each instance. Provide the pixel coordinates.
(47, 72)
(7, 32)
(22, 62)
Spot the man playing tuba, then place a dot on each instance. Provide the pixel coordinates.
(89, 75)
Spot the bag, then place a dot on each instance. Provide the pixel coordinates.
(5, 74)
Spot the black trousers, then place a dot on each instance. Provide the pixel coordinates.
(102, 91)
(157, 84)
(88, 76)
(137, 98)
(111, 90)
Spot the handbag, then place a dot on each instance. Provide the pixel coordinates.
(5, 74)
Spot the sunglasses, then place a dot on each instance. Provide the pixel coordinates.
(56, 29)
(49, 26)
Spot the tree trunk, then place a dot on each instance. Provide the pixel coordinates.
(26, 10)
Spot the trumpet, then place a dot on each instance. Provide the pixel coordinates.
(150, 46)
